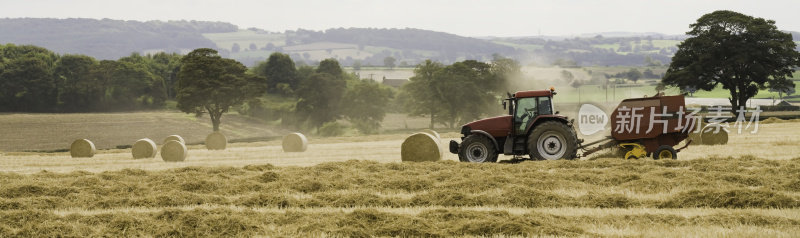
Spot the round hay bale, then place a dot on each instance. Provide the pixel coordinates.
(216, 141)
(173, 151)
(144, 148)
(772, 120)
(82, 148)
(420, 147)
(433, 133)
(295, 142)
(709, 137)
(438, 139)
(175, 138)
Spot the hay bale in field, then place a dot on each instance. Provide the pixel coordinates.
(711, 136)
(144, 148)
(433, 133)
(696, 132)
(420, 147)
(438, 139)
(696, 138)
(772, 120)
(173, 151)
(175, 138)
(82, 148)
(216, 141)
(295, 142)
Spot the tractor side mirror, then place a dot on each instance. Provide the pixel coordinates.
(504, 104)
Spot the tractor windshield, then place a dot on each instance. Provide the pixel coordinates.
(528, 109)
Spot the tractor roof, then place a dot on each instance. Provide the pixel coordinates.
(533, 93)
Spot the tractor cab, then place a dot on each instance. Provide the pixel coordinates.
(526, 106)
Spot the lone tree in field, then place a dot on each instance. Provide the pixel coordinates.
(741, 52)
(389, 62)
(453, 94)
(211, 84)
(366, 104)
(421, 98)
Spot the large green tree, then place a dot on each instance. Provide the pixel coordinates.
(419, 97)
(281, 73)
(453, 94)
(26, 78)
(27, 84)
(742, 53)
(465, 91)
(319, 95)
(319, 99)
(78, 90)
(208, 83)
(366, 104)
(331, 66)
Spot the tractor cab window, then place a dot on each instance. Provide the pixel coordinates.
(545, 108)
(526, 111)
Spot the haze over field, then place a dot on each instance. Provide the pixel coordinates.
(467, 18)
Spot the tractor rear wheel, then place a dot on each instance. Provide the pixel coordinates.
(553, 140)
(665, 152)
(477, 148)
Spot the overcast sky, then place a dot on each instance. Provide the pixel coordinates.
(467, 18)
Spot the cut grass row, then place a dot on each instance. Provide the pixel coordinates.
(601, 197)
(744, 182)
(371, 222)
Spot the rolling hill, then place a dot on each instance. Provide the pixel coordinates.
(112, 39)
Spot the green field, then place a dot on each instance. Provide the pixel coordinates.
(665, 43)
(526, 47)
(244, 38)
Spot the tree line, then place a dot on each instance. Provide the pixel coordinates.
(34, 79)
(319, 96)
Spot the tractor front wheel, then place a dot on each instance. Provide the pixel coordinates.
(477, 148)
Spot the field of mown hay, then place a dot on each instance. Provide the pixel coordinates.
(45, 132)
(356, 186)
(736, 196)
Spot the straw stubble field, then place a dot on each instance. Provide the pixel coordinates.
(356, 186)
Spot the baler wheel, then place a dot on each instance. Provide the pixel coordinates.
(665, 152)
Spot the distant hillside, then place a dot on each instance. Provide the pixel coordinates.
(110, 39)
(366, 46)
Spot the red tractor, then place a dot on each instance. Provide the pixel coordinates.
(532, 127)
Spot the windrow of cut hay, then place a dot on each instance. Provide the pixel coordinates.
(225, 221)
(743, 182)
(356, 198)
